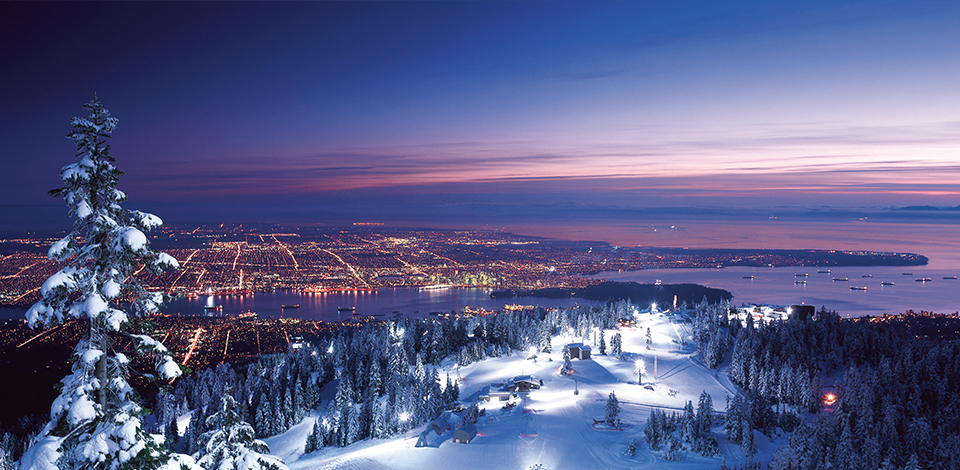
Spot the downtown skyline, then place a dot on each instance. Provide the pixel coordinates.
(472, 112)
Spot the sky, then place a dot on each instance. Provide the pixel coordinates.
(489, 113)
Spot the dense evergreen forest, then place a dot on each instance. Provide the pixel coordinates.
(896, 407)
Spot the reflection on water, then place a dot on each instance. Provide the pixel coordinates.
(780, 286)
(333, 306)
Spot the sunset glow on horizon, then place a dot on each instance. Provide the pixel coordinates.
(305, 105)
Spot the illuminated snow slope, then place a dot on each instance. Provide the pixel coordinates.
(553, 426)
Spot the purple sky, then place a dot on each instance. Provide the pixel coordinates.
(456, 112)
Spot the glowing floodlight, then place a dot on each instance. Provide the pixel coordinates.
(640, 369)
(404, 416)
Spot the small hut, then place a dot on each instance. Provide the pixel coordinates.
(579, 351)
(465, 434)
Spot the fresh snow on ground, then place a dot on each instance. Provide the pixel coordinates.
(553, 426)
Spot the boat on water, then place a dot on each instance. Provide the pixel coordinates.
(867, 275)
(908, 274)
(801, 275)
(841, 279)
(284, 307)
(858, 288)
(924, 279)
(436, 286)
(949, 277)
(886, 283)
(748, 277)
(823, 271)
(346, 309)
(799, 282)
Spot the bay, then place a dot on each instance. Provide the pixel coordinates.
(330, 306)
(777, 286)
(383, 303)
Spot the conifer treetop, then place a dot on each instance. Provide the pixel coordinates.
(107, 242)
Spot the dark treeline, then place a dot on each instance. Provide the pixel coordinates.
(662, 294)
(897, 405)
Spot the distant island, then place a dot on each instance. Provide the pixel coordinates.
(609, 290)
(759, 258)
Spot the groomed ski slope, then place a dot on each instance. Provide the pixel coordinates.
(553, 426)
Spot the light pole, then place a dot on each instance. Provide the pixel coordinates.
(641, 368)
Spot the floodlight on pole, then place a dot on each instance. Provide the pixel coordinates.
(640, 369)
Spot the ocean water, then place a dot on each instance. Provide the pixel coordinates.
(940, 242)
(778, 286)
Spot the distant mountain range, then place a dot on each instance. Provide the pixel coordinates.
(927, 208)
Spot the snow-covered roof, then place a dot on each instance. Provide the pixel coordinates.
(468, 428)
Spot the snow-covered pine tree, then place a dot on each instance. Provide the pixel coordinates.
(6, 462)
(419, 372)
(96, 405)
(546, 335)
(714, 356)
(315, 435)
(631, 448)
(649, 340)
(231, 444)
(567, 365)
(734, 418)
(379, 428)
(705, 413)
(354, 426)
(603, 344)
(617, 346)
(654, 429)
(689, 431)
(612, 410)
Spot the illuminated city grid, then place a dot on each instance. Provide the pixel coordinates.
(235, 259)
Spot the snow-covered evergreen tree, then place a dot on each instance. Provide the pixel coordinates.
(96, 421)
(631, 448)
(314, 439)
(567, 366)
(689, 429)
(714, 356)
(231, 444)
(617, 346)
(654, 429)
(603, 344)
(612, 410)
(546, 335)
